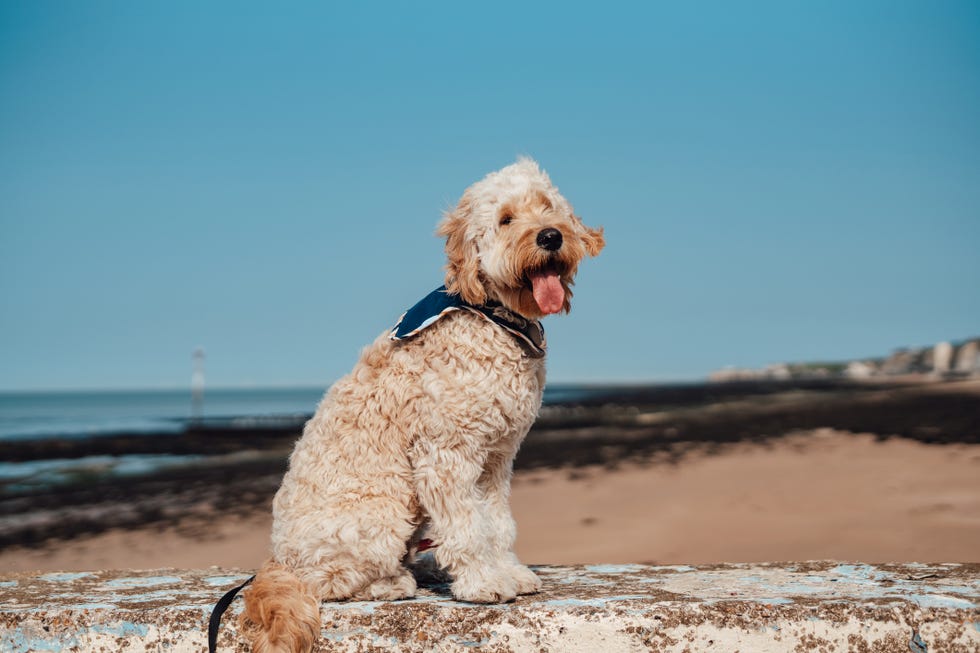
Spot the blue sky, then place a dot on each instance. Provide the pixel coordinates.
(778, 181)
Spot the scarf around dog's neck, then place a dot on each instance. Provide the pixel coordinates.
(440, 302)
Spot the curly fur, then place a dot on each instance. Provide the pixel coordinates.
(422, 433)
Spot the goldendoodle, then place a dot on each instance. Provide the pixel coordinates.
(420, 437)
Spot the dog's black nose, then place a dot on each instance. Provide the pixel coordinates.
(549, 239)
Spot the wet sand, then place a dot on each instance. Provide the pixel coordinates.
(874, 474)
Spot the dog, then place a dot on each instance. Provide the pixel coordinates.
(420, 438)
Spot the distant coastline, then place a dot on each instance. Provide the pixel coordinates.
(956, 360)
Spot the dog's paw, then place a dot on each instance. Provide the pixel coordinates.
(526, 581)
(391, 588)
(495, 587)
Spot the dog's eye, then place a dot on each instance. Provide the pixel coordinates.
(507, 219)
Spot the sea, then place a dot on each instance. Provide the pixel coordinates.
(37, 415)
(153, 413)
(72, 414)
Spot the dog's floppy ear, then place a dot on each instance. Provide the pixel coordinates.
(593, 239)
(463, 269)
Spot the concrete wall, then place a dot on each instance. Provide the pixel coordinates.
(813, 606)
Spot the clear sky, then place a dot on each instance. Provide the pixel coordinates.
(778, 181)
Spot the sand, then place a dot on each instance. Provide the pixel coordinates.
(817, 494)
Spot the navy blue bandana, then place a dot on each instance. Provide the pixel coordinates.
(439, 302)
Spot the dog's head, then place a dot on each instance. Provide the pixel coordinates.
(514, 239)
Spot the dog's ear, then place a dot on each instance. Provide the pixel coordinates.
(593, 239)
(463, 269)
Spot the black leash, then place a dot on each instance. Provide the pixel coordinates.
(219, 609)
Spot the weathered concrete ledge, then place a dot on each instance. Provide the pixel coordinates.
(813, 606)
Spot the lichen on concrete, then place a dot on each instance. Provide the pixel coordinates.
(811, 606)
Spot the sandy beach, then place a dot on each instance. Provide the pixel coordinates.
(626, 492)
(816, 495)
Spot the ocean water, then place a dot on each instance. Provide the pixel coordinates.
(76, 414)
(155, 413)
(30, 415)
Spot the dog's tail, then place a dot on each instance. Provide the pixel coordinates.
(281, 614)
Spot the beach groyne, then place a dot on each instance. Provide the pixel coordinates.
(810, 606)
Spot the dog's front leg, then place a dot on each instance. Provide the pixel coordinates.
(447, 483)
(495, 484)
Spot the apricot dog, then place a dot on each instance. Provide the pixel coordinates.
(421, 436)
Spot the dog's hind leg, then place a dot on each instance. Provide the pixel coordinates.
(360, 554)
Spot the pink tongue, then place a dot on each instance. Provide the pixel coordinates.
(548, 292)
